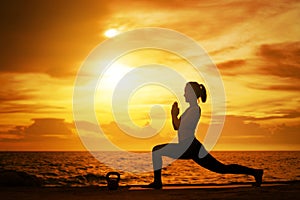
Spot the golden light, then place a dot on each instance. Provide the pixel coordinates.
(111, 33)
(113, 75)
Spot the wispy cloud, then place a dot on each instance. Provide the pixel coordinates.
(282, 60)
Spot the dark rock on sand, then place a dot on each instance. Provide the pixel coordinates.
(11, 178)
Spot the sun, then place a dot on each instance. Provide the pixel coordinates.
(111, 33)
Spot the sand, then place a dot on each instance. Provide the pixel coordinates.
(287, 191)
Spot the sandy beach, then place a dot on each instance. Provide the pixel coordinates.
(286, 191)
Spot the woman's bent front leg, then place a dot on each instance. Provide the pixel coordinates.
(170, 150)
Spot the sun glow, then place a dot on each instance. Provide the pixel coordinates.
(113, 75)
(111, 33)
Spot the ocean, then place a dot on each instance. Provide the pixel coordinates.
(79, 169)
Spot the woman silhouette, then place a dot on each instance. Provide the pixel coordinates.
(188, 146)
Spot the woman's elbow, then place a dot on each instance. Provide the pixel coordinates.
(176, 127)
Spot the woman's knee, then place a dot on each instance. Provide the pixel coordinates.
(158, 147)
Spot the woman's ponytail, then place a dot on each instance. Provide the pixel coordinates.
(199, 90)
(203, 94)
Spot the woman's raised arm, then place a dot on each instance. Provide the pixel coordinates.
(175, 113)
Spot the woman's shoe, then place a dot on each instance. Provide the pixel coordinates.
(258, 177)
(153, 185)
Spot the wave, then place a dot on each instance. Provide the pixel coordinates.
(12, 178)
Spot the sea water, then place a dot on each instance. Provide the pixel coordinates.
(83, 169)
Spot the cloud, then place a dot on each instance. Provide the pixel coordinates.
(239, 132)
(41, 128)
(276, 67)
(14, 134)
(279, 63)
(231, 64)
(282, 59)
(232, 67)
(200, 19)
(11, 89)
(280, 114)
(288, 86)
(48, 127)
(276, 59)
(224, 50)
(247, 133)
(287, 134)
(42, 134)
(38, 36)
(56, 134)
(87, 126)
(237, 126)
(9, 108)
(29, 93)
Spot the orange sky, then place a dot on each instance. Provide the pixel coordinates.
(255, 45)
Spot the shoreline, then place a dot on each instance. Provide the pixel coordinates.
(286, 190)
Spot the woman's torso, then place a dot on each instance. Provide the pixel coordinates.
(188, 123)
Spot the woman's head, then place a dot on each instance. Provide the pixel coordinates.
(193, 91)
